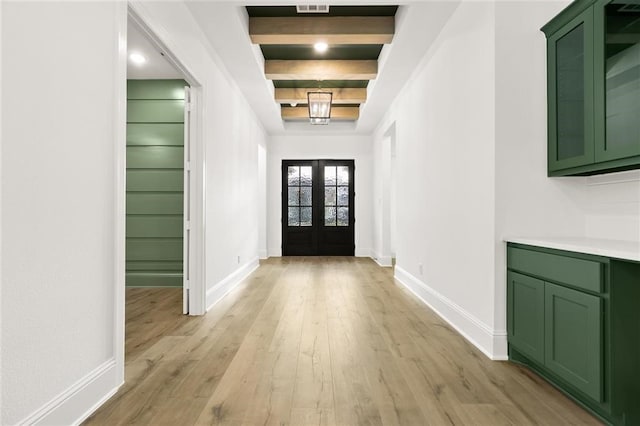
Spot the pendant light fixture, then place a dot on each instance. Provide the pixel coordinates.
(319, 107)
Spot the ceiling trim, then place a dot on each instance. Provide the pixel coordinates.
(330, 29)
(320, 69)
(340, 95)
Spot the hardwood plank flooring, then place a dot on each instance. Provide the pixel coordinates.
(317, 341)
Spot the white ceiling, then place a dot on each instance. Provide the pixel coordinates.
(156, 67)
(226, 27)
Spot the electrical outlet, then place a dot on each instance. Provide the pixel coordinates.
(238, 260)
(420, 268)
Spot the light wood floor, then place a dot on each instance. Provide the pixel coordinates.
(317, 341)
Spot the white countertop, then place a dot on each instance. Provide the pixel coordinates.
(627, 250)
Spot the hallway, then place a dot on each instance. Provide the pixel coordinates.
(316, 341)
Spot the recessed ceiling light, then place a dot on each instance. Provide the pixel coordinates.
(321, 47)
(137, 58)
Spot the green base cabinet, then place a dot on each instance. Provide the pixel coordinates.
(525, 311)
(593, 88)
(574, 318)
(573, 343)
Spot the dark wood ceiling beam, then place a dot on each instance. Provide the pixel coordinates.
(321, 69)
(340, 95)
(330, 29)
(301, 113)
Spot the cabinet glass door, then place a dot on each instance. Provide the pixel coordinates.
(571, 98)
(618, 93)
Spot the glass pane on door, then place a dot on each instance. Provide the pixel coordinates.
(305, 196)
(342, 175)
(294, 175)
(329, 216)
(343, 195)
(306, 216)
(305, 176)
(294, 216)
(294, 196)
(336, 196)
(343, 216)
(570, 66)
(299, 196)
(622, 71)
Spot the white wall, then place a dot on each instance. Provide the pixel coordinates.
(232, 135)
(527, 201)
(232, 214)
(58, 206)
(445, 134)
(613, 206)
(305, 146)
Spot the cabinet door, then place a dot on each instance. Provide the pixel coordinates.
(617, 79)
(570, 94)
(525, 315)
(573, 338)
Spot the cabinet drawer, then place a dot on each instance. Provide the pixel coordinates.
(584, 274)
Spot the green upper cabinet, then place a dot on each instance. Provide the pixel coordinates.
(593, 88)
(570, 56)
(617, 73)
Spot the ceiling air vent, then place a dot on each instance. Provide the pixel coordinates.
(313, 8)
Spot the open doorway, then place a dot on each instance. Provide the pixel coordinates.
(163, 197)
(157, 134)
(389, 187)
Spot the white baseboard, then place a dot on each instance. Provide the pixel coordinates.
(262, 254)
(384, 261)
(220, 289)
(79, 401)
(493, 343)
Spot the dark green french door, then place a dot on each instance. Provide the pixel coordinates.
(317, 208)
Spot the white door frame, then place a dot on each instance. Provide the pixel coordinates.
(135, 9)
(387, 216)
